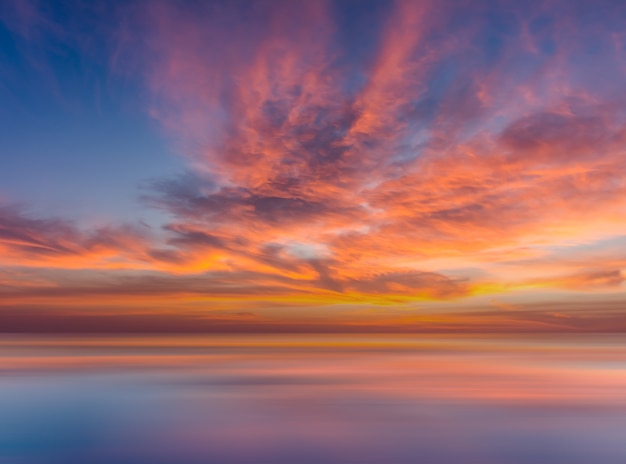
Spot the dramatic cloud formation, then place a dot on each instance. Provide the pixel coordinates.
(342, 155)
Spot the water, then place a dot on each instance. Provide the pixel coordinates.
(313, 399)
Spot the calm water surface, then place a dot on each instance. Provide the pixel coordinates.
(313, 399)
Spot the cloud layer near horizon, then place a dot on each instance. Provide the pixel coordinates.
(349, 153)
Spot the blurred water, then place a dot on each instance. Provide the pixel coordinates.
(313, 399)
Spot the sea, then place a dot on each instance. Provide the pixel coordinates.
(309, 399)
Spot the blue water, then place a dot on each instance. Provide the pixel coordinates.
(313, 399)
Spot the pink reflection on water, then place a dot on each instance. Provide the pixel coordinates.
(314, 399)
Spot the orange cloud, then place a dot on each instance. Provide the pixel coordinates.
(446, 159)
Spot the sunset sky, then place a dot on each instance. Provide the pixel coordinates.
(346, 165)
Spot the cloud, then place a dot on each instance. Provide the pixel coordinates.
(186, 237)
(611, 278)
(463, 135)
(57, 320)
(428, 145)
(558, 134)
(504, 305)
(410, 283)
(55, 241)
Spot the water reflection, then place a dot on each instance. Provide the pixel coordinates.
(313, 399)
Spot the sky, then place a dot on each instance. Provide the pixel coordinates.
(300, 166)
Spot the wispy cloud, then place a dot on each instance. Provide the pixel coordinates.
(444, 158)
